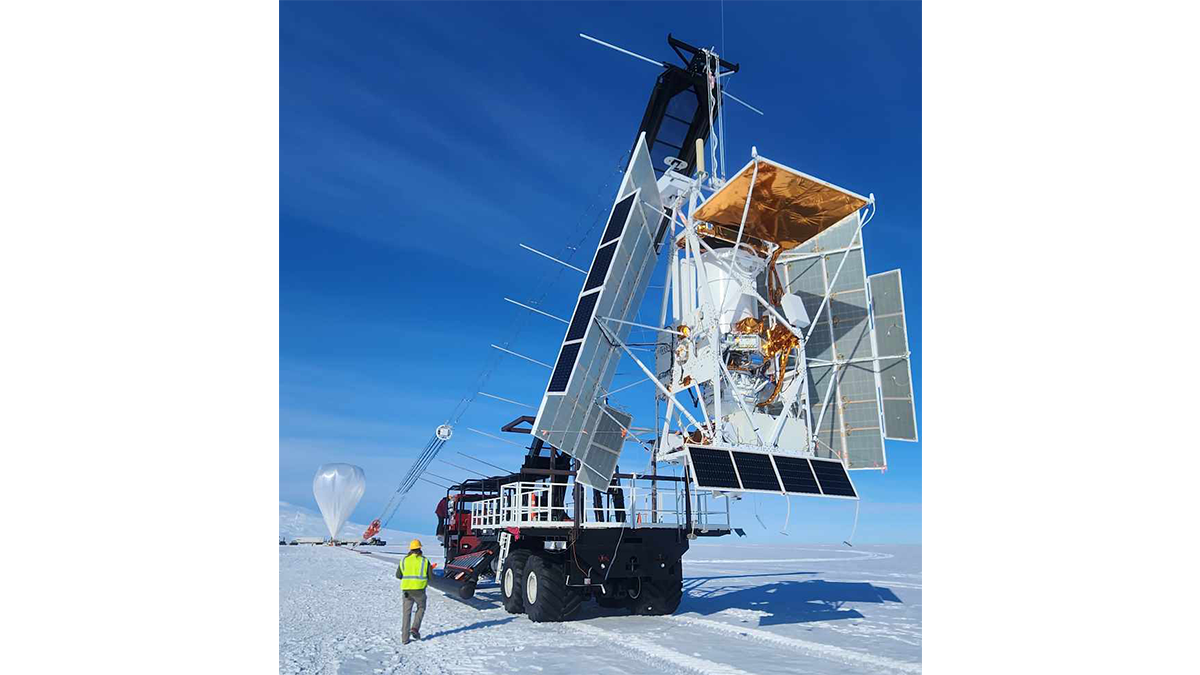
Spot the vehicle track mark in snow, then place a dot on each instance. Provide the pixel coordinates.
(659, 652)
(866, 556)
(809, 648)
(377, 651)
(875, 582)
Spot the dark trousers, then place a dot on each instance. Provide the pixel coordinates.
(411, 599)
(598, 504)
(618, 496)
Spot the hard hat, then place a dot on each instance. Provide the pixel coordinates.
(416, 544)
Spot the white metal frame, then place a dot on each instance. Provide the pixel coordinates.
(661, 505)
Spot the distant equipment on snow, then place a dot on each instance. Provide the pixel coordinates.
(337, 488)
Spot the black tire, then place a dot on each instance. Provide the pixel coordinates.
(611, 602)
(657, 598)
(510, 586)
(467, 590)
(545, 592)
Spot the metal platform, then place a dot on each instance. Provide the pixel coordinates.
(629, 503)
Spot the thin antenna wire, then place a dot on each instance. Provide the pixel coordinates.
(506, 400)
(483, 462)
(534, 309)
(530, 248)
(460, 409)
(623, 51)
(722, 85)
(522, 356)
(463, 468)
(494, 437)
(744, 103)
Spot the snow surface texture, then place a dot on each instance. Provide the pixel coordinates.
(747, 608)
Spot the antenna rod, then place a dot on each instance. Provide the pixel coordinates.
(483, 462)
(725, 93)
(463, 468)
(506, 351)
(444, 487)
(502, 440)
(623, 51)
(530, 248)
(451, 480)
(534, 309)
(629, 386)
(506, 400)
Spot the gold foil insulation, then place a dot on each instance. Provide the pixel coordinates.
(778, 342)
(786, 208)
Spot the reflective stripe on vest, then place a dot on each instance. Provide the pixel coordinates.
(415, 569)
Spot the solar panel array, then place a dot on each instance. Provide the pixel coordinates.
(850, 427)
(723, 469)
(895, 371)
(570, 412)
(599, 460)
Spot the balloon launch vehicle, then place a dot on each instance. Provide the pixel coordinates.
(778, 366)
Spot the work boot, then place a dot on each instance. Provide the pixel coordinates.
(416, 635)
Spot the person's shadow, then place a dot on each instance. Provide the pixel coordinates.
(477, 624)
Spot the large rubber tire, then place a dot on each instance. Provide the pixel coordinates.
(657, 598)
(511, 579)
(611, 602)
(545, 592)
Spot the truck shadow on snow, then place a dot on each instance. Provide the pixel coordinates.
(784, 602)
(781, 602)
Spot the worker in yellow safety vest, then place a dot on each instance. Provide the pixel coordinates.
(413, 573)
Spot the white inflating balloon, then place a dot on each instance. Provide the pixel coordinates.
(338, 487)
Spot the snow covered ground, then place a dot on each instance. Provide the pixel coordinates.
(747, 608)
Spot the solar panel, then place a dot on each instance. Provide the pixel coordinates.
(568, 416)
(563, 367)
(582, 316)
(894, 372)
(834, 481)
(850, 427)
(756, 471)
(797, 475)
(600, 266)
(862, 436)
(714, 468)
(744, 471)
(616, 220)
(605, 446)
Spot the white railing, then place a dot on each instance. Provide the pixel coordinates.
(646, 503)
(521, 503)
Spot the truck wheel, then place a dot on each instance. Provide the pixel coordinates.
(511, 578)
(546, 594)
(657, 598)
(611, 602)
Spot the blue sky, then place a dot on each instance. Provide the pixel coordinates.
(421, 142)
